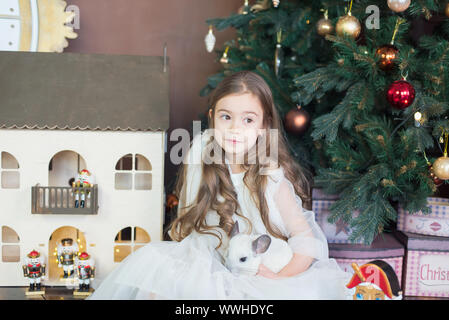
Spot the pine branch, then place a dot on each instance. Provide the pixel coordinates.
(327, 125)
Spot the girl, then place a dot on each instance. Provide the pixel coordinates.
(228, 177)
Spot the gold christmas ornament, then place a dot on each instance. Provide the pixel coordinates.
(348, 25)
(324, 27)
(441, 168)
(441, 165)
(224, 59)
(398, 5)
(210, 40)
(446, 11)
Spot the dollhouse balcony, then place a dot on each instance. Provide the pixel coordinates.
(61, 200)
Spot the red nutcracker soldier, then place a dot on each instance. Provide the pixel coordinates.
(375, 280)
(86, 271)
(67, 251)
(85, 180)
(34, 270)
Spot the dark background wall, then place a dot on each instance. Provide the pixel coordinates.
(141, 27)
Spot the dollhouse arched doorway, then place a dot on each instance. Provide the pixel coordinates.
(54, 272)
(63, 168)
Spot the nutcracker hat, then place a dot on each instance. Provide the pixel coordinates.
(84, 256)
(34, 254)
(67, 242)
(85, 171)
(378, 273)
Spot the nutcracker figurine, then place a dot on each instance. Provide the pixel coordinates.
(34, 270)
(375, 280)
(85, 180)
(86, 271)
(67, 252)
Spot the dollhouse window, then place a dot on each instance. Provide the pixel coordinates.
(133, 172)
(10, 176)
(129, 240)
(10, 245)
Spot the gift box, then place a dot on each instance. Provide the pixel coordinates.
(436, 223)
(335, 233)
(426, 267)
(384, 247)
(319, 194)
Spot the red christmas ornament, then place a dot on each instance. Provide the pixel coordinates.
(387, 54)
(401, 94)
(297, 121)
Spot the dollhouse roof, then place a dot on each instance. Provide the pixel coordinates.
(83, 91)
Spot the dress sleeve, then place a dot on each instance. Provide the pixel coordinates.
(298, 224)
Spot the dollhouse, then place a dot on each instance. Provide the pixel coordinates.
(64, 112)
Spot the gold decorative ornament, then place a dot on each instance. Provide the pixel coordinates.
(441, 165)
(39, 26)
(224, 59)
(441, 168)
(398, 5)
(324, 26)
(348, 25)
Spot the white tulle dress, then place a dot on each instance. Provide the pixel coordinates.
(194, 269)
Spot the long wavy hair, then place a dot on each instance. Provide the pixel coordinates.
(216, 177)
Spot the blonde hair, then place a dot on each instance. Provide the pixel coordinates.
(216, 178)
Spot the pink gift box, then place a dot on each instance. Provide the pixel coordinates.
(426, 265)
(335, 233)
(385, 247)
(319, 194)
(436, 223)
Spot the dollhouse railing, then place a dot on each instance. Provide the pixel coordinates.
(61, 200)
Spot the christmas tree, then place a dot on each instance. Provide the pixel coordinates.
(373, 77)
(275, 43)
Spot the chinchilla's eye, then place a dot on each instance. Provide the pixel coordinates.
(243, 259)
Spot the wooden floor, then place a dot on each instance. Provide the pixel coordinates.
(51, 293)
(62, 293)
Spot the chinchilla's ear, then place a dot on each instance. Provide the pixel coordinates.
(261, 244)
(234, 230)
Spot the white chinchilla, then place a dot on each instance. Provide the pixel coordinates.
(245, 252)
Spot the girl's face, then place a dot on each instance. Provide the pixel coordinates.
(238, 119)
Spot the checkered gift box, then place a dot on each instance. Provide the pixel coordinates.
(384, 247)
(436, 223)
(335, 233)
(426, 265)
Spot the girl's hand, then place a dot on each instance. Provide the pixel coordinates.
(267, 273)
